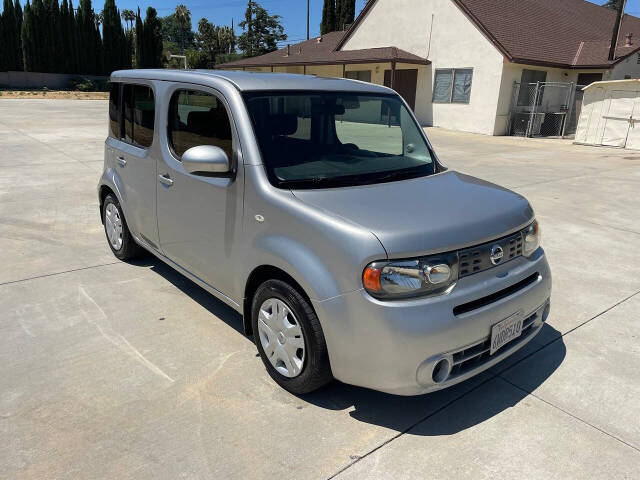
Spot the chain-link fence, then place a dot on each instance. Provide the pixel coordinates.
(544, 109)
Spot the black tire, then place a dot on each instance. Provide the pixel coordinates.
(316, 370)
(129, 249)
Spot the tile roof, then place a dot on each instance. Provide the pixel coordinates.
(568, 33)
(315, 52)
(561, 33)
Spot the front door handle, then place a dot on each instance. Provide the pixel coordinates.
(121, 161)
(165, 180)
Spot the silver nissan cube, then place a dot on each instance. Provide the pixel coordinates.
(317, 208)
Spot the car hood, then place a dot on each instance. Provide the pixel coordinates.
(426, 215)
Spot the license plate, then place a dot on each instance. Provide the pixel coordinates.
(505, 331)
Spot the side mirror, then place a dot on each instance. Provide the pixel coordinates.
(206, 159)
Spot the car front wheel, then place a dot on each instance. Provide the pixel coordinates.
(289, 338)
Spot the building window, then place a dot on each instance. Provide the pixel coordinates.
(528, 82)
(452, 85)
(139, 115)
(198, 118)
(638, 59)
(362, 75)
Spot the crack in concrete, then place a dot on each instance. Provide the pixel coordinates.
(11, 282)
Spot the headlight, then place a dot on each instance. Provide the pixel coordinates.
(531, 236)
(423, 276)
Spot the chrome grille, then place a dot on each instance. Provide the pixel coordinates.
(475, 356)
(477, 259)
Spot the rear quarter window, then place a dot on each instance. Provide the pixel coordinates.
(114, 111)
(139, 115)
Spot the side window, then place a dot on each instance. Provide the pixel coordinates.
(198, 118)
(139, 113)
(452, 85)
(114, 110)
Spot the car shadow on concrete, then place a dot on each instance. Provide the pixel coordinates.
(451, 410)
(444, 412)
(216, 307)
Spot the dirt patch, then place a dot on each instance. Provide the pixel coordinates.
(54, 94)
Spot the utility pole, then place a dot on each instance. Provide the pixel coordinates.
(616, 30)
(308, 1)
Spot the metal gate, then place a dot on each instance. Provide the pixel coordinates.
(544, 109)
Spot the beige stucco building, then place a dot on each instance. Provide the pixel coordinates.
(456, 61)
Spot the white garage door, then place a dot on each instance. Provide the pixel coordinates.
(618, 116)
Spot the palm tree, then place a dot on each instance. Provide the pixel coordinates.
(98, 18)
(129, 17)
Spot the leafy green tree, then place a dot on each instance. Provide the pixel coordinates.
(197, 58)
(261, 31)
(328, 23)
(176, 30)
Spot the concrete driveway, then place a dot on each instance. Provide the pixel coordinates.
(114, 370)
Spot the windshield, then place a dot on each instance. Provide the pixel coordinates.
(329, 139)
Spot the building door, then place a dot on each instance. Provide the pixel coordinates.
(405, 83)
(617, 118)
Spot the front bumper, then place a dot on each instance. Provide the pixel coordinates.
(393, 346)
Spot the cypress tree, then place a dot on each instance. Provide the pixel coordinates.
(3, 60)
(152, 43)
(345, 13)
(328, 17)
(26, 35)
(139, 41)
(72, 29)
(113, 38)
(88, 54)
(19, 18)
(9, 38)
(37, 36)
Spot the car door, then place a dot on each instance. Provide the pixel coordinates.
(134, 159)
(199, 215)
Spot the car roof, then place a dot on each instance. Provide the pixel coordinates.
(252, 81)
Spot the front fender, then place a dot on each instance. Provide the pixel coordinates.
(297, 260)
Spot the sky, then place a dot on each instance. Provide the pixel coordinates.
(293, 12)
(220, 12)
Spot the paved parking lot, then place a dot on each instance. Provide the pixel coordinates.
(114, 370)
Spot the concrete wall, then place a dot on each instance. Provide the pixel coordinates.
(438, 30)
(40, 80)
(628, 66)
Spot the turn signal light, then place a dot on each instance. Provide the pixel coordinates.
(371, 279)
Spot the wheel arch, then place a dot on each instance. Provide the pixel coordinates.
(258, 276)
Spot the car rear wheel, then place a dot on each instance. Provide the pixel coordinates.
(289, 338)
(119, 237)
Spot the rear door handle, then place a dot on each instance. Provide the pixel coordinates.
(121, 161)
(165, 180)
